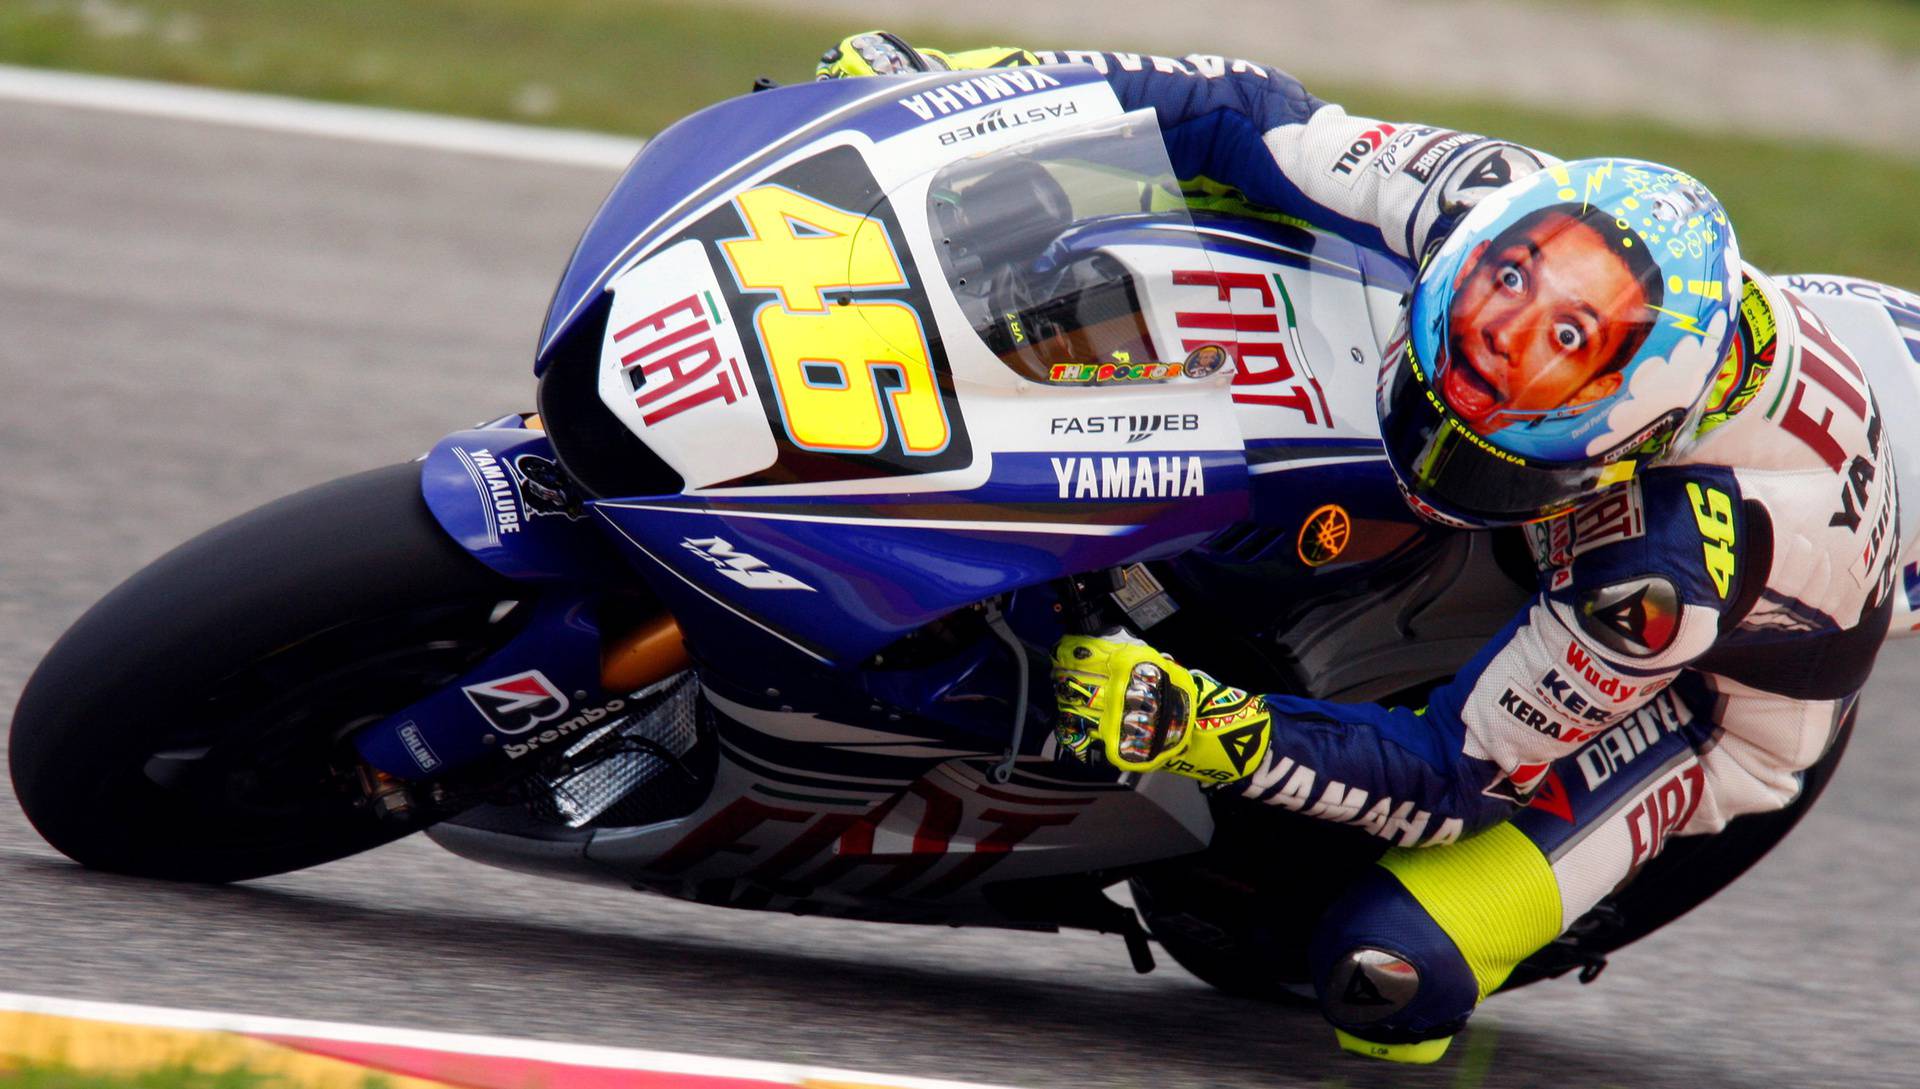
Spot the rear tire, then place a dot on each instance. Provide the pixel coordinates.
(1239, 915)
(193, 724)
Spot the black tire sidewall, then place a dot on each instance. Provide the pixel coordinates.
(353, 548)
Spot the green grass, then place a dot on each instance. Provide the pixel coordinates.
(636, 65)
(619, 65)
(1892, 23)
(1797, 207)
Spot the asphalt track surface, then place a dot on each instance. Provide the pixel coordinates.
(196, 319)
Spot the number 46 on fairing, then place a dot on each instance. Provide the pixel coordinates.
(843, 365)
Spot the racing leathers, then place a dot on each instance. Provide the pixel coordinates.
(1699, 634)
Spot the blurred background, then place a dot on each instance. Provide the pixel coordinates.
(199, 318)
(1804, 117)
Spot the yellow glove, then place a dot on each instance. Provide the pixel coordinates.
(877, 53)
(1146, 712)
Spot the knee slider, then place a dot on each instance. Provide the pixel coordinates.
(1384, 971)
(1407, 952)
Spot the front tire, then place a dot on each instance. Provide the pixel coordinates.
(193, 724)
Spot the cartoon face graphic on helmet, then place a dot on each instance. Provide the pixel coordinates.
(1542, 319)
(1562, 336)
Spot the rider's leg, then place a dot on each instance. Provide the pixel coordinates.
(1403, 957)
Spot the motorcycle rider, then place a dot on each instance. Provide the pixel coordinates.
(1703, 475)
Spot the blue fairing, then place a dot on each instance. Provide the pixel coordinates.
(710, 152)
(556, 653)
(861, 573)
(840, 567)
(672, 167)
(477, 485)
(788, 579)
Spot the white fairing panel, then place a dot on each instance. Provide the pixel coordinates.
(670, 330)
(1307, 361)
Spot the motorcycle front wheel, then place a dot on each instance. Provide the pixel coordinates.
(193, 725)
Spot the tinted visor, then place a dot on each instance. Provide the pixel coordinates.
(1463, 475)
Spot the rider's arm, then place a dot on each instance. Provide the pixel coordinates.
(1253, 128)
(1629, 598)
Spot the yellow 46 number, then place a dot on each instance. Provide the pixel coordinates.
(1713, 514)
(830, 358)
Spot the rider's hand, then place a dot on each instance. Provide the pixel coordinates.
(877, 53)
(1146, 712)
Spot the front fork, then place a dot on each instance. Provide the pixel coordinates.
(497, 491)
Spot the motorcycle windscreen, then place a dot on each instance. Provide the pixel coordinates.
(945, 391)
(1052, 247)
(800, 334)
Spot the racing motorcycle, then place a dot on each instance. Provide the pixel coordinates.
(854, 397)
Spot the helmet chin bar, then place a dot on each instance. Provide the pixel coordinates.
(1451, 475)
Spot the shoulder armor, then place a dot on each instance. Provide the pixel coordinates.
(1635, 617)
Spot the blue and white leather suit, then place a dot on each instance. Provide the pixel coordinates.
(1700, 632)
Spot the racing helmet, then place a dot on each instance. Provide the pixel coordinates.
(1564, 336)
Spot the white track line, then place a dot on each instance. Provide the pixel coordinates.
(618, 1058)
(372, 124)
